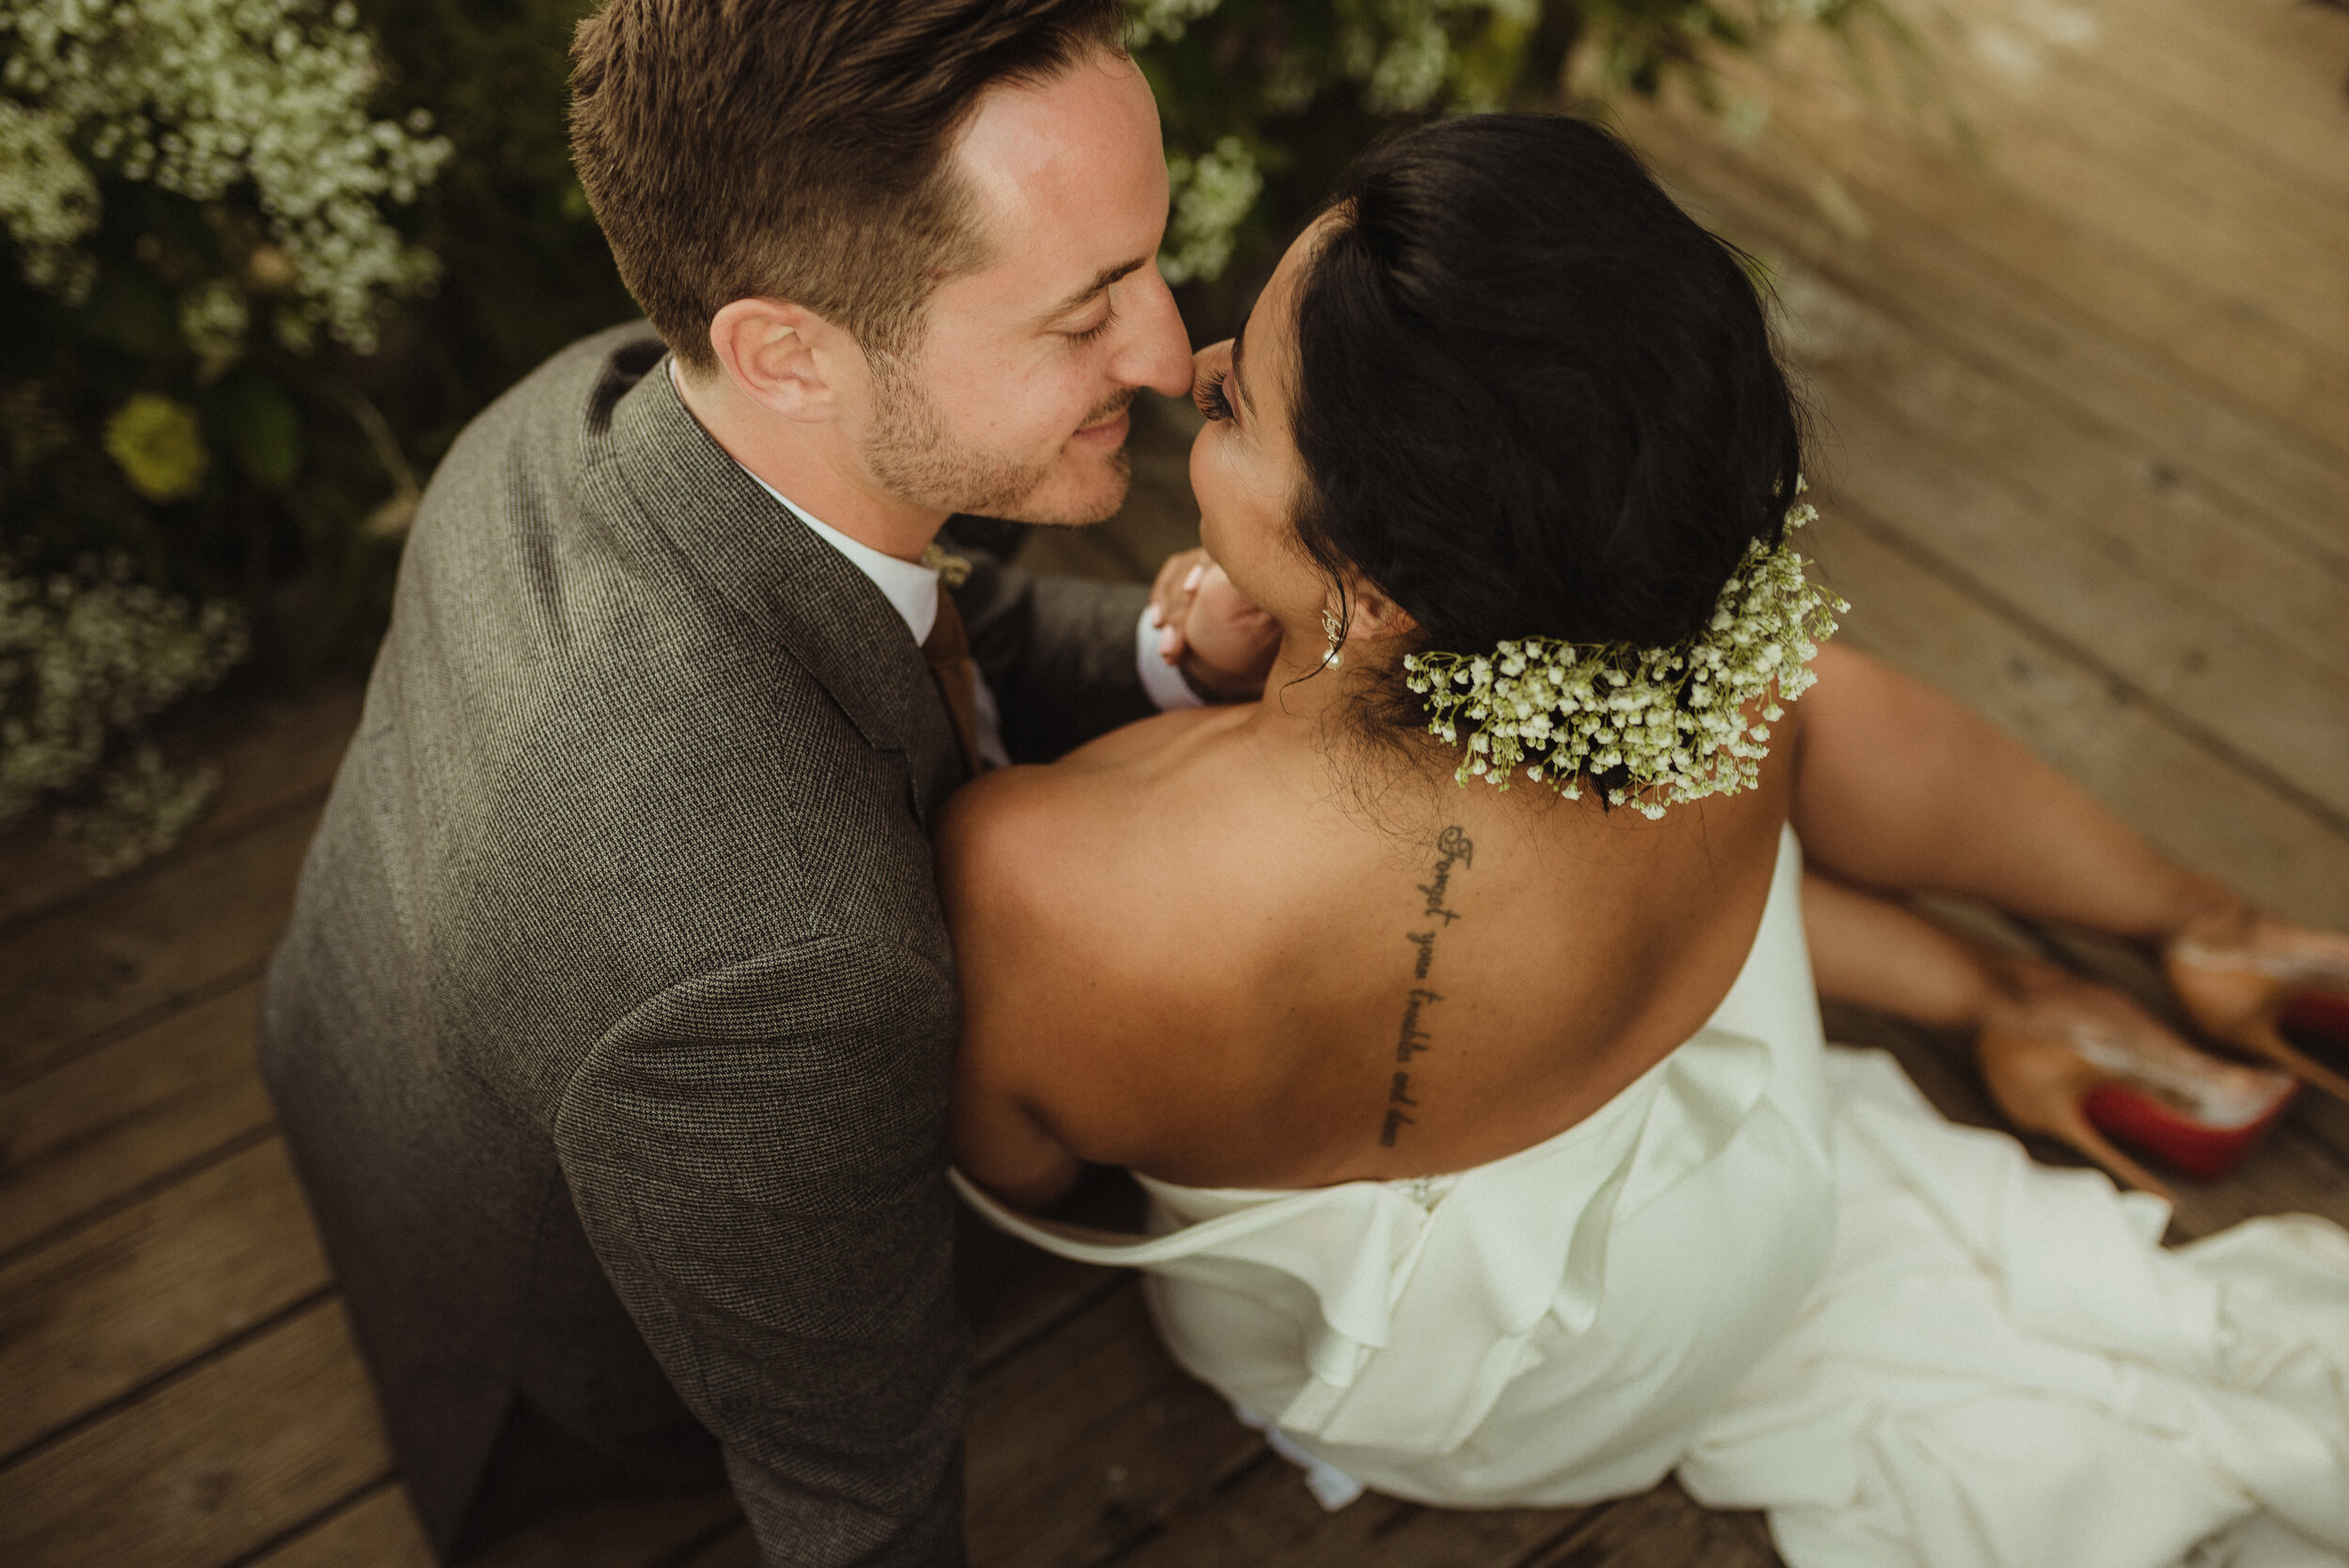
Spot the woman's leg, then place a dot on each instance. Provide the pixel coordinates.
(1898, 788)
(1869, 950)
(1881, 954)
(2026, 1013)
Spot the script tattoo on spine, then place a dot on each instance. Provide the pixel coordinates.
(1453, 849)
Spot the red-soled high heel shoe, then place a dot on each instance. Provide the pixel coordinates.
(2275, 991)
(2082, 1062)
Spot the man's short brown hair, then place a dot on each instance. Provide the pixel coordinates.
(798, 148)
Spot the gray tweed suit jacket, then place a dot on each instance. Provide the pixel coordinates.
(612, 1035)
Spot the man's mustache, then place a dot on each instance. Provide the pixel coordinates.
(1111, 408)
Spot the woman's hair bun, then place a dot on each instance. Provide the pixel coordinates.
(1534, 398)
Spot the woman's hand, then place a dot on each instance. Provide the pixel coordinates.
(1224, 644)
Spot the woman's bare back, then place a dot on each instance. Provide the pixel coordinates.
(1204, 948)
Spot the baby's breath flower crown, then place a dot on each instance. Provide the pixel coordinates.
(1672, 718)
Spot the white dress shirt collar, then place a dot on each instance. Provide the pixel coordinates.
(910, 588)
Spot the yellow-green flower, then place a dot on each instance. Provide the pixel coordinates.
(159, 446)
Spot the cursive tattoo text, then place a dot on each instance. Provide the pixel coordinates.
(1453, 849)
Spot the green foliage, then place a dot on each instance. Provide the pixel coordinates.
(209, 229)
(1282, 94)
(225, 366)
(260, 425)
(85, 661)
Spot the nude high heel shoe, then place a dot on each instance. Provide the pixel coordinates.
(2274, 990)
(2080, 1062)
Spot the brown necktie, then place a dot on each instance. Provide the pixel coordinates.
(948, 650)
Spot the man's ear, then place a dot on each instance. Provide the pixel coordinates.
(1372, 616)
(781, 356)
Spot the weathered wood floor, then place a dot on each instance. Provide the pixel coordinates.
(2086, 408)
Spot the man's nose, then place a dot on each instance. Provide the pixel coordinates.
(1157, 350)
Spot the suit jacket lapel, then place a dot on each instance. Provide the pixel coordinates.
(750, 549)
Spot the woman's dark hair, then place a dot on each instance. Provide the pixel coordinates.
(1533, 396)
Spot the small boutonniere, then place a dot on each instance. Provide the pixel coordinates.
(952, 570)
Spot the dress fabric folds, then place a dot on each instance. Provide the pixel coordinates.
(1772, 1266)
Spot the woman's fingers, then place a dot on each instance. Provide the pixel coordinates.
(1231, 642)
(1172, 597)
(1209, 628)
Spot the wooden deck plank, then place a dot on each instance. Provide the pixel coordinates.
(2261, 79)
(211, 1467)
(114, 1306)
(1962, 291)
(2295, 383)
(109, 1123)
(270, 754)
(378, 1529)
(2194, 805)
(1085, 1444)
(2077, 141)
(2247, 74)
(1663, 1528)
(1266, 1517)
(1015, 1293)
(2126, 531)
(1980, 525)
(138, 952)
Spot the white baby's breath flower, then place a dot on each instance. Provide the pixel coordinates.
(1533, 705)
(199, 97)
(1211, 193)
(1147, 20)
(1410, 70)
(84, 661)
(212, 317)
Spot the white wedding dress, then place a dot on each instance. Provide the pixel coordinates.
(1771, 1266)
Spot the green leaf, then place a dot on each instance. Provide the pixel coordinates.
(128, 311)
(263, 428)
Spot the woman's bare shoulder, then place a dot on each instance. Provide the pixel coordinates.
(1051, 879)
(1033, 852)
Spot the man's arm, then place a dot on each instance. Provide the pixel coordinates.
(758, 1157)
(1070, 660)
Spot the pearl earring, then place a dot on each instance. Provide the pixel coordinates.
(1335, 630)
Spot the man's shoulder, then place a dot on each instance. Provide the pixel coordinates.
(703, 722)
(618, 354)
(632, 836)
(550, 417)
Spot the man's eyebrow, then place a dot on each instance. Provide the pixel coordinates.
(1101, 280)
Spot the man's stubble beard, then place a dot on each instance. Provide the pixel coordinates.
(911, 453)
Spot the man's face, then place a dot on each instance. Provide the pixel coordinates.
(1013, 403)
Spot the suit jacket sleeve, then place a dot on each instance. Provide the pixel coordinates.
(1058, 652)
(758, 1157)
